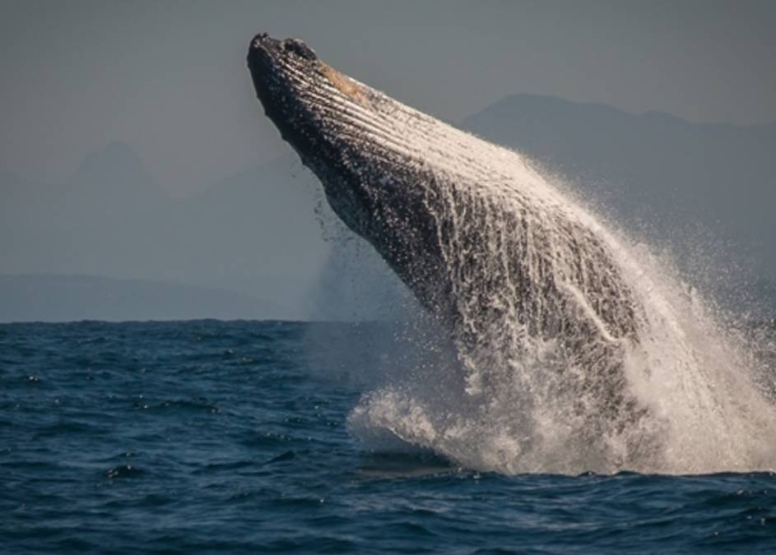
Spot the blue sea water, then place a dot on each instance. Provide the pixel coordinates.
(230, 437)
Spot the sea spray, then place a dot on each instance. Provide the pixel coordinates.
(704, 386)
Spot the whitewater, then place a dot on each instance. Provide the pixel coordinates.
(523, 407)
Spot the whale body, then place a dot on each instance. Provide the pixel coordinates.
(523, 279)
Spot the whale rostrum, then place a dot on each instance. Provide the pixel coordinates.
(522, 277)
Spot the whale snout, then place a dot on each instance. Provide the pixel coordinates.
(262, 43)
(299, 48)
(259, 39)
(263, 54)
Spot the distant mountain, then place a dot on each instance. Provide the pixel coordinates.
(707, 191)
(108, 187)
(255, 233)
(672, 181)
(53, 298)
(114, 182)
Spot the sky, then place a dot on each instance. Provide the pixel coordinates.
(169, 78)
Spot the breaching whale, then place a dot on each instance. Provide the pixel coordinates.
(523, 279)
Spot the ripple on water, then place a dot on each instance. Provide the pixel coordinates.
(274, 470)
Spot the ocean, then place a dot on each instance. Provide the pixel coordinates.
(235, 437)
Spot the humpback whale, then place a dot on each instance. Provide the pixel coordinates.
(523, 279)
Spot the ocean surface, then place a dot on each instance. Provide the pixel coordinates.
(232, 437)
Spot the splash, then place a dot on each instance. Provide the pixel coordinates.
(704, 387)
(567, 347)
(577, 349)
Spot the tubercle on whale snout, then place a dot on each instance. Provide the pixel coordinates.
(269, 52)
(297, 46)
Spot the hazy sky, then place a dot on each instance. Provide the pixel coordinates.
(169, 77)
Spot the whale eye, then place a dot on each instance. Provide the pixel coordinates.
(300, 49)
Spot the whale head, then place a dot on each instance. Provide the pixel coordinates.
(358, 142)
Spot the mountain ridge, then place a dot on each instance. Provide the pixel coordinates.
(258, 231)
